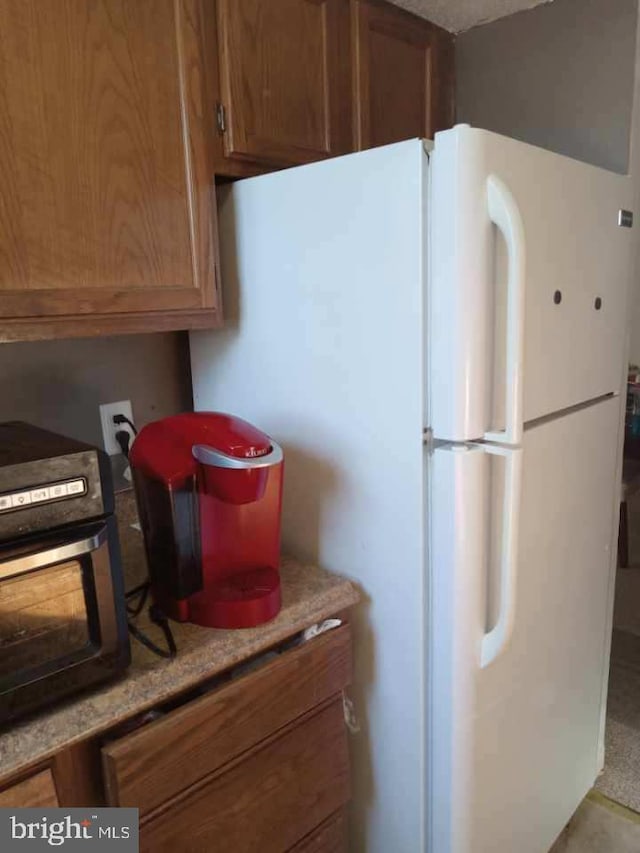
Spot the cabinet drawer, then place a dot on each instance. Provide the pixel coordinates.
(330, 837)
(36, 792)
(269, 800)
(152, 765)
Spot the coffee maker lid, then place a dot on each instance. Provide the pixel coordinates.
(164, 449)
(228, 434)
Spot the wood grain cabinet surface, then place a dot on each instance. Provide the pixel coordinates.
(35, 792)
(284, 82)
(116, 116)
(107, 220)
(258, 763)
(151, 766)
(300, 80)
(329, 837)
(269, 801)
(403, 75)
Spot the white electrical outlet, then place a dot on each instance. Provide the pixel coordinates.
(109, 428)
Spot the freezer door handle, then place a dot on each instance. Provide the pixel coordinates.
(504, 213)
(496, 640)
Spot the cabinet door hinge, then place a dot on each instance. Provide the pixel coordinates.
(221, 118)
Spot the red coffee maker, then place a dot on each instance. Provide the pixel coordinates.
(209, 493)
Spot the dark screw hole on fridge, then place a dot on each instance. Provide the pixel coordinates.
(557, 297)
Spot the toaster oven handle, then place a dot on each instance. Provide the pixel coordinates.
(218, 459)
(59, 554)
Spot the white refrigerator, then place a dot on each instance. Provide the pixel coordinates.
(435, 333)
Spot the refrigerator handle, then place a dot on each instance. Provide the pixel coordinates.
(495, 641)
(504, 213)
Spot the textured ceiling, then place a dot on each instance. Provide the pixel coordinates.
(457, 15)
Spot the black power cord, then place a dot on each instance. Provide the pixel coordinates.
(123, 436)
(157, 617)
(123, 419)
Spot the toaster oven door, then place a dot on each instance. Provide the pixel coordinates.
(56, 606)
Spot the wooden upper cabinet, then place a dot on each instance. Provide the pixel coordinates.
(284, 81)
(403, 80)
(107, 213)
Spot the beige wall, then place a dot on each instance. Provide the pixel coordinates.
(559, 76)
(59, 384)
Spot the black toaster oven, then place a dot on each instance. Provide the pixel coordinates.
(63, 620)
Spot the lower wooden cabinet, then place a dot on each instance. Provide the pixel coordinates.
(69, 779)
(149, 767)
(258, 763)
(268, 800)
(35, 792)
(329, 837)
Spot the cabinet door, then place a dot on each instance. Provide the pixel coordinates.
(268, 801)
(403, 75)
(285, 79)
(149, 767)
(35, 792)
(329, 837)
(105, 164)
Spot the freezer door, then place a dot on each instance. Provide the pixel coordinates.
(528, 278)
(514, 735)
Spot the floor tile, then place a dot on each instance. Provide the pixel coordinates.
(600, 826)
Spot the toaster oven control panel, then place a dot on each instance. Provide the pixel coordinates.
(43, 494)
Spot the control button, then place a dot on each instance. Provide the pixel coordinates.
(75, 487)
(21, 499)
(38, 495)
(60, 490)
(5, 502)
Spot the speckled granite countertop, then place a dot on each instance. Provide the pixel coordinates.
(309, 594)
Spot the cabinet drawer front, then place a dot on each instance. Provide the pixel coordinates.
(330, 837)
(152, 765)
(36, 792)
(267, 802)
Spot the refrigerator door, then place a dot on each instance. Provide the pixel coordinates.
(528, 278)
(513, 736)
(458, 478)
